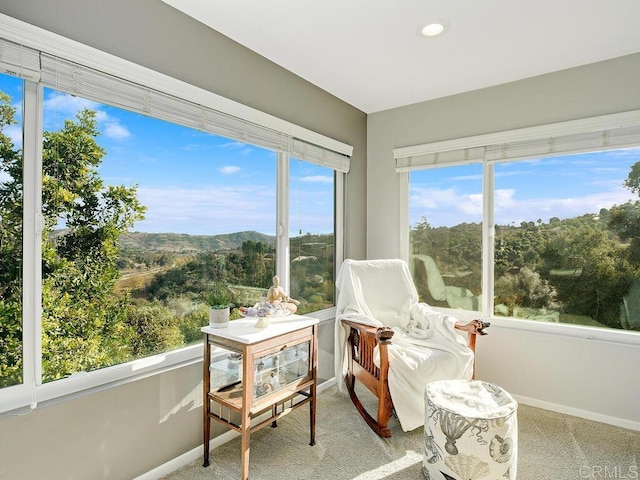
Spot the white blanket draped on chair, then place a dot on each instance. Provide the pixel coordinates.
(425, 346)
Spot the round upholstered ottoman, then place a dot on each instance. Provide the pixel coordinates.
(470, 431)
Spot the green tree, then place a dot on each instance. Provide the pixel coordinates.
(156, 329)
(81, 314)
(10, 251)
(625, 219)
(633, 179)
(84, 323)
(524, 289)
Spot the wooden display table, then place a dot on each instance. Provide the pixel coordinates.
(267, 369)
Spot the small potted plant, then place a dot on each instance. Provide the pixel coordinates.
(219, 300)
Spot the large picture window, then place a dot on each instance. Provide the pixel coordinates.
(145, 220)
(146, 201)
(566, 245)
(562, 207)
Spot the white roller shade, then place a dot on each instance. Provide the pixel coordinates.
(108, 89)
(19, 61)
(578, 136)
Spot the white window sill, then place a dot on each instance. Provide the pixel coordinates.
(609, 335)
(21, 399)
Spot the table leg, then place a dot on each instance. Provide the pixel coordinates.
(206, 405)
(245, 447)
(312, 416)
(247, 400)
(313, 389)
(274, 412)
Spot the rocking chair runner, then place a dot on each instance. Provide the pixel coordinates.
(373, 296)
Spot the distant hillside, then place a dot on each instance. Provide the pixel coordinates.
(179, 242)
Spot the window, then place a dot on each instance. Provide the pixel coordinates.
(11, 231)
(142, 198)
(445, 212)
(144, 219)
(566, 247)
(312, 238)
(563, 203)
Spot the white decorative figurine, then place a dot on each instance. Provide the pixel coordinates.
(276, 296)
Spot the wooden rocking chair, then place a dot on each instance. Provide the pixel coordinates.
(375, 295)
(361, 342)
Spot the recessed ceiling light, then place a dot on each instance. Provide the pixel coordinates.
(433, 29)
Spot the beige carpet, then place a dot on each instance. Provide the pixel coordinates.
(551, 447)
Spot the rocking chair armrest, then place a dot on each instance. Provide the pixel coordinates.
(474, 329)
(382, 334)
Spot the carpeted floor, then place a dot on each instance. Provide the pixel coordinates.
(551, 447)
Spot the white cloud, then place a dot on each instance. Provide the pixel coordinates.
(241, 148)
(447, 207)
(115, 131)
(208, 211)
(14, 132)
(317, 179)
(229, 169)
(59, 106)
(65, 105)
(511, 210)
(101, 115)
(505, 197)
(17, 107)
(434, 198)
(444, 206)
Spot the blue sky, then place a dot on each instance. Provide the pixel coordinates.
(197, 183)
(190, 181)
(527, 190)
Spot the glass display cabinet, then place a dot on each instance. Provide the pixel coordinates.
(265, 374)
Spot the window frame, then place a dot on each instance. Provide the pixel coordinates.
(434, 155)
(22, 398)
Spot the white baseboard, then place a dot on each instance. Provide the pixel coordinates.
(576, 412)
(192, 455)
(186, 458)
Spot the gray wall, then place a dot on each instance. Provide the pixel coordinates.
(126, 431)
(596, 89)
(118, 433)
(593, 378)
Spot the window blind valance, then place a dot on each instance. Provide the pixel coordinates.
(19, 61)
(577, 136)
(447, 157)
(108, 89)
(565, 144)
(37, 55)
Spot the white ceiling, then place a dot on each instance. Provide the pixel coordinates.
(369, 54)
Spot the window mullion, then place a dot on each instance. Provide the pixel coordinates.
(340, 226)
(282, 221)
(403, 217)
(32, 232)
(488, 238)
